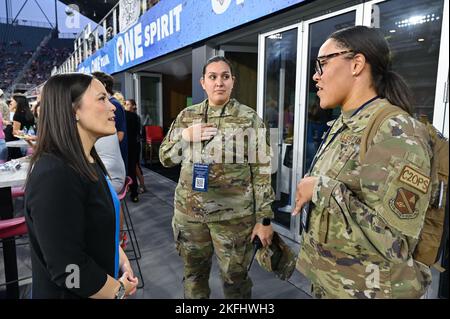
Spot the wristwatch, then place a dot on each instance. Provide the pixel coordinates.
(265, 221)
(120, 294)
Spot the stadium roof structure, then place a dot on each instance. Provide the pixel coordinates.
(95, 10)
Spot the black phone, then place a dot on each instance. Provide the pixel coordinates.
(304, 218)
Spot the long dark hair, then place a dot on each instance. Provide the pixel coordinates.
(370, 43)
(132, 101)
(58, 133)
(23, 106)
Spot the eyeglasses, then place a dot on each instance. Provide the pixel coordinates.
(323, 58)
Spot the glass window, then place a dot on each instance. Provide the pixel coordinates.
(317, 118)
(150, 100)
(414, 34)
(279, 104)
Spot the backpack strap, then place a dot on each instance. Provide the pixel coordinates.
(375, 121)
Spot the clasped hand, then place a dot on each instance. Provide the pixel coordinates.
(128, 278)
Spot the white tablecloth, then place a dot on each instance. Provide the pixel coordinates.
(16, 178)
(18, 143)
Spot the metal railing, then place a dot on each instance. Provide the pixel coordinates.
(27, 23)
(90, 40)
(67, 35)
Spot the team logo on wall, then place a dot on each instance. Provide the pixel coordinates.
(129, 11)
(220, 6)
(120, 56)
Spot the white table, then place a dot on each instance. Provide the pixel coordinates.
(10, 179)
(17, 178)
(18, 143)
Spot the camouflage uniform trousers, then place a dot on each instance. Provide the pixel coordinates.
(230, 240)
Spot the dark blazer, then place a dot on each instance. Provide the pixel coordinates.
(72, 225)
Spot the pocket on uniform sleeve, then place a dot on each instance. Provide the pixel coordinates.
(406, 198)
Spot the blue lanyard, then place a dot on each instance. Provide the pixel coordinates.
(341, 129)
(117, 226)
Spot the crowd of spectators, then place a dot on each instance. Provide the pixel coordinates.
(41, 68)
(15, 56)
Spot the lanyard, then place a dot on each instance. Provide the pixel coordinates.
(116, 203)
(341, 129)
(205, 116)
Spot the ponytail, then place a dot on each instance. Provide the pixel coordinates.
(371, 43)
(394, 88)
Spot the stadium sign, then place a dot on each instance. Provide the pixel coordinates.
(174, 24)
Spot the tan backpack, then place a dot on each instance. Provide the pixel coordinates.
(435, 229)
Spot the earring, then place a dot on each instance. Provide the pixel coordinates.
(77, 118)
(354, 73)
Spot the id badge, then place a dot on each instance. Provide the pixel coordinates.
(304, 217)
(200, 177)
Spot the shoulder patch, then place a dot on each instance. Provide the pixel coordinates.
(413, 178)
(404, 203)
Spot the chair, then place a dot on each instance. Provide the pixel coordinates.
(154, 135)
(10, 228)
(17, 192)
(130, 227)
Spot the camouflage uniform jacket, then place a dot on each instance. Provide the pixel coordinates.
(239, 184)
(367, 216)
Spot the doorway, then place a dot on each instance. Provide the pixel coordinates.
(148, 94)
(288, 105)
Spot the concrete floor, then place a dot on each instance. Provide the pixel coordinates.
(162, 268)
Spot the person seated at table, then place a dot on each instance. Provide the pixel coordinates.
(31, 139)
(3, 148)
(23, 117)
(71, 209)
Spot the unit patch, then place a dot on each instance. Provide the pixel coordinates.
(414, 179)
(404, 203)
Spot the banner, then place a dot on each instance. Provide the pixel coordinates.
(129, 11)
(174, 24)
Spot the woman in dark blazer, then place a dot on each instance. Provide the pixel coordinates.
(70, 208)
